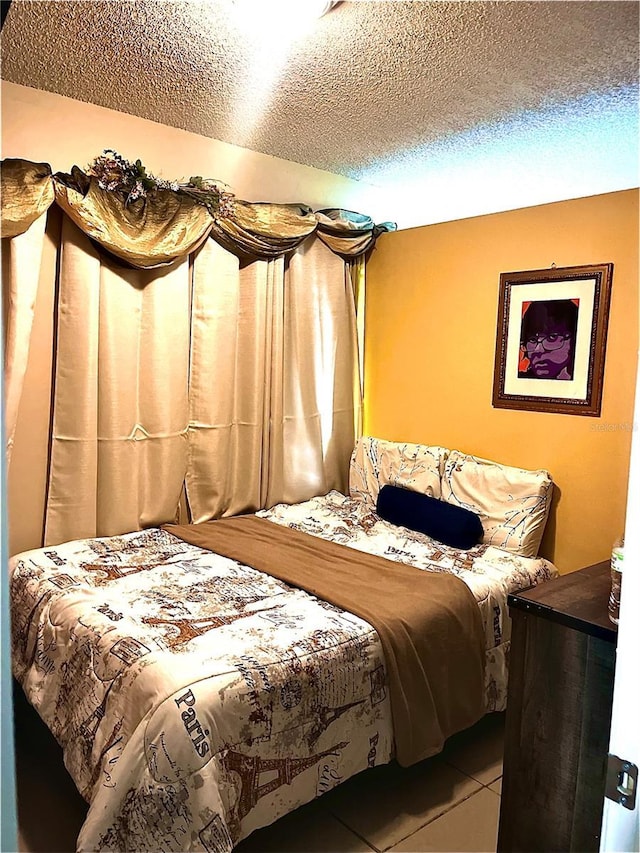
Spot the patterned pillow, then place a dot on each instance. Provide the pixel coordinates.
(513, 504)
(375, 462)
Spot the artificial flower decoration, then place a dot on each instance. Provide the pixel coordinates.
(117, 174)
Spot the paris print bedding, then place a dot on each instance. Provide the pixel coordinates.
(197, 699)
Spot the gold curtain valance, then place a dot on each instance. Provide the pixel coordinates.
(27, 192)
(347, 233)
(169, 224)
(146, 233)
(264, 230)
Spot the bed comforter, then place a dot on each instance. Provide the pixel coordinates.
(197, 699)
(428, 623)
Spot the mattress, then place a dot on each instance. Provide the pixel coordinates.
(197, 699)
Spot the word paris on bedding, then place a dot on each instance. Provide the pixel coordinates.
(204, 680)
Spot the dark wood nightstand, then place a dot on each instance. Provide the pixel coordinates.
(558, 718)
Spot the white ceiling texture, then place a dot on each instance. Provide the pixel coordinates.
(452, 109)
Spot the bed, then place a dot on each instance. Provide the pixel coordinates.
(197, 698)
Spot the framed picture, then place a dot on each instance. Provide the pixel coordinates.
(551, 339)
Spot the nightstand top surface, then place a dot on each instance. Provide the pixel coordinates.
(578, 599)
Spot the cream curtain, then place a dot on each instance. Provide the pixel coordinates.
(21, 258)
(120, 417)
(227, 383)
(235, 381)
(314, 351)
(150, 367)
(357, 276)
(272, 380)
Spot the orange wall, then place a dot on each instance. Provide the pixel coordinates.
(431, 314)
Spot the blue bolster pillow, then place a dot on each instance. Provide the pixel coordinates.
(447, 523)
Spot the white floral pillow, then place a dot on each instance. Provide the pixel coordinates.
(513, 504)
(376, 462)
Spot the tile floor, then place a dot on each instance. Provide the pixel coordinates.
(447, 803)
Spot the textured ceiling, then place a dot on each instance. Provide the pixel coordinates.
(370, 82)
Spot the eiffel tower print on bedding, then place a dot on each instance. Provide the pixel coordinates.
(197, 699)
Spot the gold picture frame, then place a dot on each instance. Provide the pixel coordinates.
(551, 339)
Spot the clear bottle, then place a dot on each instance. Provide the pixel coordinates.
(617, 560)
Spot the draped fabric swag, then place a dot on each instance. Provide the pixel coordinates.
(215, 358)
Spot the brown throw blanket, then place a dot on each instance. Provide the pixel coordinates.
(429, 623)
